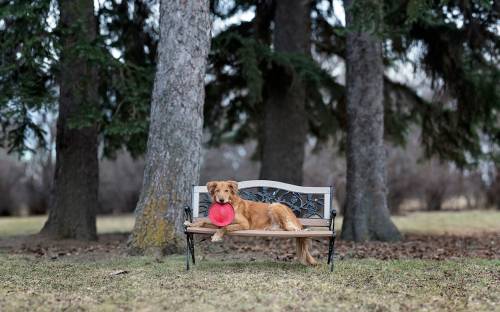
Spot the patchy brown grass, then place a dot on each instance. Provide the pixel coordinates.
(433, 271)
(449, 222)
(143, 284)
(12, 226)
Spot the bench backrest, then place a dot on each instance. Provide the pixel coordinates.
(313, 205)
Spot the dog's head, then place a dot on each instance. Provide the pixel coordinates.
(222, 191)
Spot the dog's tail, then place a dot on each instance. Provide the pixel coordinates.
(303, 251)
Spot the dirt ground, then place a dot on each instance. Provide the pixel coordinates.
(414, 246)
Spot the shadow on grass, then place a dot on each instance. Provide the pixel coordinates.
(262, 266)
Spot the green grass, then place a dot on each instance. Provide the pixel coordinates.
(463, 222)
(363, 285)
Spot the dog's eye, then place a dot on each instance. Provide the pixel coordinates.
(227, 191)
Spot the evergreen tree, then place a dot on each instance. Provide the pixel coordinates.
(54, 50)
(28, 42)
(458, 51)
(244, 68)
(123, 53)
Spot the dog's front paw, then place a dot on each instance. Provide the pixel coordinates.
(187, 223)
(216, 238)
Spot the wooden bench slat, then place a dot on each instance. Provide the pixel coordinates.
(208, 231)
(314, 222)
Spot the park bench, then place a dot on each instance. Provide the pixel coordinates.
(312, 205)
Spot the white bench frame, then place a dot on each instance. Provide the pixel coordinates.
(328, 219)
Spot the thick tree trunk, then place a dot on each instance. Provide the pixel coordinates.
(174, 142)
(264, 16)
(434, 199)
(366, 215)
(284, 127)
(496, 189)
(73, 206)
(493, 193)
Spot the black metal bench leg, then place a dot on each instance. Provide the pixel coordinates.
(331, 252)
(332, 256)
(187, 252)
(330, 248)
(191, 238)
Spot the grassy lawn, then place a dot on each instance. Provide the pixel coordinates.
(368, 285)
(10, 226)
(91, 282)
(463, 222)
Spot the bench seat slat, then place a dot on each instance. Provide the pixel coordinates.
(314, 222)
(208, 231)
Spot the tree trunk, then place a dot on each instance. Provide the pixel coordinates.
(493, 192)
(175, 133)
(264, 16)
(434, 199)
(366, 214)
(284, 128)
(73, 208)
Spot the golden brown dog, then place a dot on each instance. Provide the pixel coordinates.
(250, 215)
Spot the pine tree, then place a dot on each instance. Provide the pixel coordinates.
(47, 45)
(460, 56)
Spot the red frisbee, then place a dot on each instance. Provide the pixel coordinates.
(221, 214)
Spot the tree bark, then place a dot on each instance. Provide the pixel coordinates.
(434, 199)
(284, 128)
(493, 192)
(175, 133)
(264, 16)
(366, 214)
(73, 207)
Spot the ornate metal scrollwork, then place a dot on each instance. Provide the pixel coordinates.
(303, 205)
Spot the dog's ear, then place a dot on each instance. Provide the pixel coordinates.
(234, 186)
(211, 187)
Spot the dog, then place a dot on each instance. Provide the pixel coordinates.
(250, 215)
